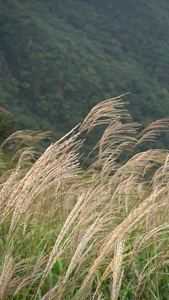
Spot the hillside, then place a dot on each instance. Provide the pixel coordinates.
(59, 58)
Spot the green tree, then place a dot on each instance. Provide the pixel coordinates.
(7, 124)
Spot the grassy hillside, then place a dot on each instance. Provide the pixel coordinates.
(68, 234)
(59, 58)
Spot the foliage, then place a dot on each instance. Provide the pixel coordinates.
(7, 124)
(59, 58)
(95, 234)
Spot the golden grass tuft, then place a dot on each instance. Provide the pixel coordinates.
(70, 234)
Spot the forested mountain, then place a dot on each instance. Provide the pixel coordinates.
(59, 58)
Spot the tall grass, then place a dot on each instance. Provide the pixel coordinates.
(102, 233)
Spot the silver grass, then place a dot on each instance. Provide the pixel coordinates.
(117, 268)
(6, 273)
(92, 230)
(91, 208)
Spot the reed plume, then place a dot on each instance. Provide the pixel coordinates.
(68, 233)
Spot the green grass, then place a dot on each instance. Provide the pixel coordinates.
(100, 233)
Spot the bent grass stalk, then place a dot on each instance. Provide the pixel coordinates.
(63, 228)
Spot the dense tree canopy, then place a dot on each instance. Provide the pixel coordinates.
(59, 58)
(7, 124)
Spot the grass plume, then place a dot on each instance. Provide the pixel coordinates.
(100, 233)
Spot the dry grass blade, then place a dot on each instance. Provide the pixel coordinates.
(68, 226)
(92, 230)
(2, 163)
(117, 268)
(117, 133)
(7, 189)
(125, 227)
(140, 163)
(35, 269)
(116, 139)
(58, 247)
(150, 133)
(6, 273)
(105, 112)
(148, 238)
(26, 137)
(58, 163)
(51, 294)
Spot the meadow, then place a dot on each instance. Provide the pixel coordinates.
(100, 233)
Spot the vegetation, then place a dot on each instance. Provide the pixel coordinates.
(95, 234)
(60, 58)
(7, 124)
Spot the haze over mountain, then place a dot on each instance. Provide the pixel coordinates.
(59, 58)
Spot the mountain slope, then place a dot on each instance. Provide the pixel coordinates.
(58, 59)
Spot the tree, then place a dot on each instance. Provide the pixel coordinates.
(7, 124)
